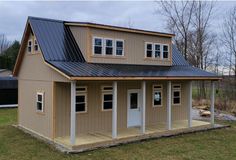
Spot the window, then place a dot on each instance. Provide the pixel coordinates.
(97, 46)
(29, 46)
(119, 47)
(176, 94)
(39, 101)
(157, 95)
(108, 47)
(148, 49)
(107, 98)
(157, 51)
(165, 51)
(81, 100)
(36, 48)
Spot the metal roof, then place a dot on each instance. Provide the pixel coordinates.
(8, 83)
(60, 49)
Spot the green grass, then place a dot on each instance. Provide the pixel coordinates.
(210, 145)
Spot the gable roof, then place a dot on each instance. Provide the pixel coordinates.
(61, 52)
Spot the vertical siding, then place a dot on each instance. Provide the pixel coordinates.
(96, 120)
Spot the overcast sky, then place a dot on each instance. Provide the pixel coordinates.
(142, 15)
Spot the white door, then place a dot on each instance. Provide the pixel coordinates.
(133, 105)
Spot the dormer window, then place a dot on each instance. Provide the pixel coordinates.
(108, 47)
(156, 51)
(149, 49)
(29, 46)
(97, 46)
(119, 47)
(36, 47)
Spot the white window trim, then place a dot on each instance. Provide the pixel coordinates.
(176, 89)
(93, 42)
(104, 92)
(104, 45)
(82, 93)
(29, 46)
(157, 89)
(153, 50)
(35, 41)
(42, 102)
(163, 51)
(146, 49)
(121, 40)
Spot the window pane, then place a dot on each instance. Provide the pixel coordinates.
(165, 48)
(176, 100)
(97, 50)
(119, 44)
(98, 42)
(157, 98)
(29, 43)
(80, 99)
(107, 88)
(107, 105)
(149, 53)
(109, 42)
(157, 47)
(107, 97)
(119, 52)
(176, 93)
(133, 101)
(40, 97)
(165, 54)
(80, 89)
(39, 106)
(36, 47)
(80, 107)
(109, 50)
(157, 54)
(29, 49)
(149, 46)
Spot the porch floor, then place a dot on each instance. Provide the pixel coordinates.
(100, 137)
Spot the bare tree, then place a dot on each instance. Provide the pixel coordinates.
(179, 15)
(229, 39)
(4, 43)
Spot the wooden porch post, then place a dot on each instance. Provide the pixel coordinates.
(143, 109)
(168, 103)
(190, 104)
(114, 111)
(212, 102)
(72, 113)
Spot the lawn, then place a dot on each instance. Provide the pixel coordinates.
(217, 144)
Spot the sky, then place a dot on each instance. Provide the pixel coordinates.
(135, 14)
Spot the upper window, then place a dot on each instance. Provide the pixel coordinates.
(157, 50)
(165, 51)
(157, 95)
(107, 98)
(81, 100)
(29, 46)
(119, 47)
(149, 49)
(36, 47)
(176, 94)
(108, 46)
(40, 101)
(154, 50)
(97, 46)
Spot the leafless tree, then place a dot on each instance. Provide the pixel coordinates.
(4, 43)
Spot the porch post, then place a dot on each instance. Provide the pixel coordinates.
(168, 103)
(114, 111)
(143, 109)
(190, 104)
(212, 102)
(72, 113)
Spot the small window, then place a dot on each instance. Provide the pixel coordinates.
(97, 46)
(29, 46)
(81, 100)
(119, 47)
(107, 98)
(157, 50)
(108, 47)
(165, 51)
(39, 101)
(36, 47)
(149, 49)
(157, 95)
(176, 94)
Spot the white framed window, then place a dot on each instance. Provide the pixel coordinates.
(119, 45)
(81, 99)
(148, 49)
(36, 47)
(176, 94)
(165, 51)
(107, 98)
(109, 46)
(40, 102)
(29, 46)
(157, 51)
(157, 95)
(97, 46)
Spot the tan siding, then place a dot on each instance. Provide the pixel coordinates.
(97, 120)
(134, 46)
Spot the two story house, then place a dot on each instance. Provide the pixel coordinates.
(86, 85)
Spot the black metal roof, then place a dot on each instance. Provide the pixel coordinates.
(8, 83)
(60, 49)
